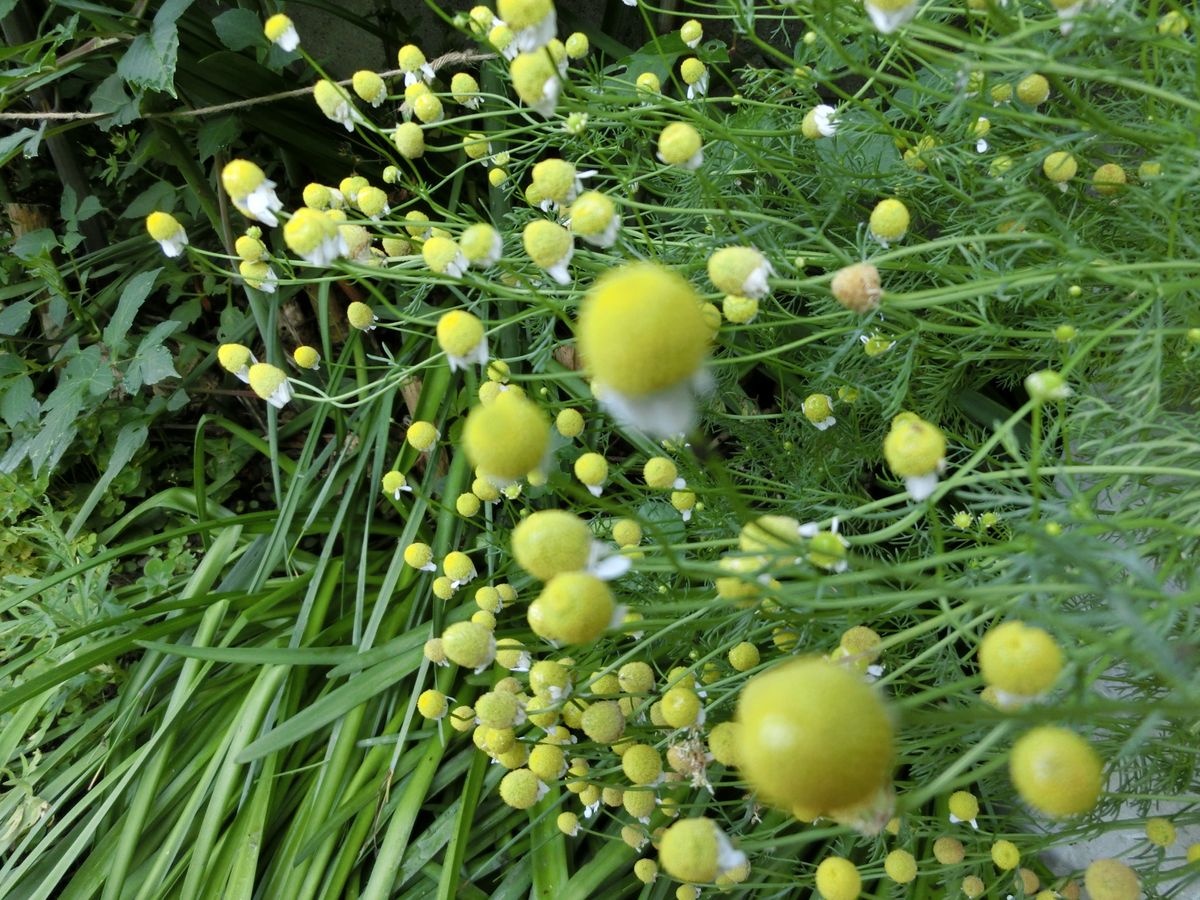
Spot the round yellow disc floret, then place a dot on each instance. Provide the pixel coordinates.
(733, 270)
(577, 45)
(421, 436)
(679, 144)
(838, 879)
(648, 83)
(409, 140)
(1033, 89)
(554, 179)
(973, 887)
(640, 330)
(507, 438)
(1160, 832)
(531, 75)
(418, 555)
(889, 220)
(688, 850)
(641, 764)
(604, 722)
(914, 447)
(828, 750)
(1019, 660)
(948, 851)
(1056, 771)
(591, 469)
(568, 823)
(964, 806)
(497, 709)
(469, 645)
(1060, 167)
(573, 607)
(569, 422)
(900, 866)
(723, 743)
(627, 533)
(432, 704)
(1108, 179)
(857, 287)
(681, 707)
(592, 213)
(691, 32)
(744, 656)
(459, 332)
(660, 473)
(1110, 879)
(1005, 855)
(692, 70)
(546, 242)
(551, 541)
(645, 870)
(520, 789)
(635, 678)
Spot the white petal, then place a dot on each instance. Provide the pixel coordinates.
(887, 21)
(921, 486)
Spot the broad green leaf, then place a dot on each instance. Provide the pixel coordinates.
(18, 403)
(129, 440)
(239, 28)
(111, 97)
(159, 196)
(216, 135)
(136, 290)
(14, 316)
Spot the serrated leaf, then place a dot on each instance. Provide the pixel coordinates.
(137, 289)
(238, 28)
(159, 196)
(152, 362)
(18, 403)
(149, 64)
(217, 134)
(111, 97)
(14, 316)
(89, 370)
(25, 141)
(58, 426)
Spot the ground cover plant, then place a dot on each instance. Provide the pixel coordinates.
(732, 447)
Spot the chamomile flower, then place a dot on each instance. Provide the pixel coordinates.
(481, 245)
(1019, 661)
(409, 140)
(647, 84)
(1005, 855)
(915, 451)
(422, 436)
(236, 359)
(1046, 385)
(696, 850)
(577, 45)
(477, 147)
(521, 789)
(461, 337)
(1173, 22)
(469, 645)
(432, 705)
(443, 257)
(964, 807)
(1033, 89)
(889, 221)
(535, 78)
(307, 357)
(818, 409)
(695, 75)
(257, 275)
(1111, 879)
(419, 556)
(948, 851)
(428, 108)
(533, 22)
(691, 33)
(1056, 772)
(594, 218)
(830, 753)
(979, 130)
(740, 270)
(369, 87)
(550, 247)
(557, 183)
(679, 144)
(165, 229)
(335, 103)
(819, 122)
(1160, 832)
(413, 64)
(643, 336)
(252, 193)
(889, 15)
(837, 877)
(361, 316)
(270, 383)
(394, 484)
(280, 31)
(826, 549)
(684, 503)
(739, 310)
(549, 542)
(573, 608)
(314, 237)
(660, 474)
(506, 439)
(1060, 167)
(900, 866)
(857, 287)
(592, 470)
(372, 202)
(457, 566)
(1107, 180)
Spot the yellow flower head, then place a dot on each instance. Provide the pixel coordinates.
(443, 257)
(535, 79)
(307, 357)
(740, 270)
(1056, 772)
(464, 88)
(551, 541)
(334, 102)
(696, 850)
(832, 752)
(270, 383)
(577, 45)
(369, 87)
(280, 31)
(573, 608)
(409, 140)
(507, 438)
(857, 287)
(1020, 661)
(461, 337)
(838, 879)
(1033, 89)
(1060, 167)
(550, 247)
(889, 221)
(679, 144)
(165, 228)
